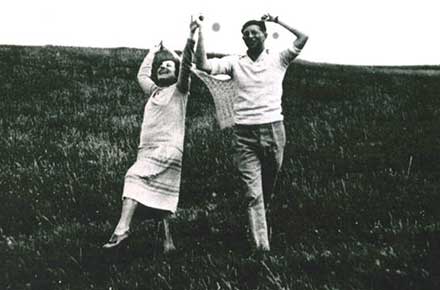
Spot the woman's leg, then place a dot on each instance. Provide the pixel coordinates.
(121, 231)
(128, 208)
(168, 244)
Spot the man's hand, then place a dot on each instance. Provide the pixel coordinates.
(195, 23)
(269, 18)
(301, 38)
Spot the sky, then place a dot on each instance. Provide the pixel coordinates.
(359, 32)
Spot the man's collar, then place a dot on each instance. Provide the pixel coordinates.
(262, 55)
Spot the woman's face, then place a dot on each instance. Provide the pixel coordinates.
(166, 70)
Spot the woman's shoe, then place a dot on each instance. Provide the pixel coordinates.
(116, 240)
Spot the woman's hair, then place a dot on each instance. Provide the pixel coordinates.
(159, 58)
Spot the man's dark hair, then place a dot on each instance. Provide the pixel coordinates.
(161, 56)
(259, 23)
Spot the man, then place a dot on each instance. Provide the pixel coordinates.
(259, 135)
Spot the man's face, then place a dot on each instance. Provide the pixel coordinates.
(166, 70)
(253, 37)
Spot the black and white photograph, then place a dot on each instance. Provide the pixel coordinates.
(207, 145)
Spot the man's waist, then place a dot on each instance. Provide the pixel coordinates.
(250, 126)
(257, 117)
(258, 121)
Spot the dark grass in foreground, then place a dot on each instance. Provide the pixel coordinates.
(357, 205)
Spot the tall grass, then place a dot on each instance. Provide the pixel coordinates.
(356, 206)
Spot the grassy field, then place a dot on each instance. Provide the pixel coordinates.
(357, 203)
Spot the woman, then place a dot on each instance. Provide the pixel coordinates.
(154, 179)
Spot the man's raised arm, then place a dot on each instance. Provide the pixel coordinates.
(201, 60)
(301, 38)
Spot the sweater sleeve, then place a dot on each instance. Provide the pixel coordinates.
(183, 82)
(144, 74)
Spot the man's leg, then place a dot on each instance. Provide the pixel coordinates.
(258, 224)
(273, 142)
(249, 167)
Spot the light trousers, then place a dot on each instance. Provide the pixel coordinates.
(258, 156)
